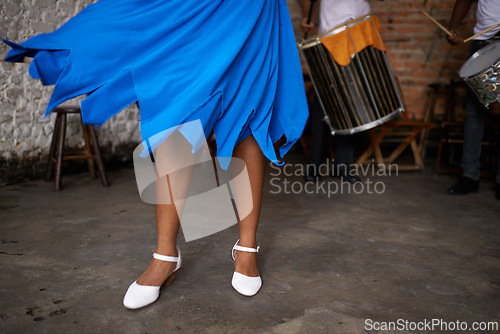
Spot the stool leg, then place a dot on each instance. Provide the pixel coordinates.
(416, 155)
(97, 153)
(53, 144)
(440, 151)
(375, 144)
(60, 152)
(88, 151)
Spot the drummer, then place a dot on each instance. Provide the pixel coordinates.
(487, 15)
(332, 13)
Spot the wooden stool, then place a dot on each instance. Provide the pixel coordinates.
(91, 151)
(403, 131)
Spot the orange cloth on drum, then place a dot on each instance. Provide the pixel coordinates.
(346, 43)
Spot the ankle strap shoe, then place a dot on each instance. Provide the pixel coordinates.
(245, 285)
(138, 296)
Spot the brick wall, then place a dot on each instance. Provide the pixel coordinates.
(418, 50)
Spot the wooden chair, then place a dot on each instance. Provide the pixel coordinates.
(91, 151)
(436, 91)
(403, 131)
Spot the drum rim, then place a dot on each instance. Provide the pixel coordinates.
(481, 71)
(369, 125)
(315, 40)
(309, 43)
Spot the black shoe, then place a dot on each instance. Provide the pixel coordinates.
(341, 171)
(346, 177)
(311, 175)
(310, 178)
(497, 191)
(350, 178)
(464, 186)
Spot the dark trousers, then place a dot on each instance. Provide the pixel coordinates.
(475, 114)
(343, 147)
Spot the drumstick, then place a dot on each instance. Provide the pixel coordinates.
(482, 32)
(438, 24)
(309, 16)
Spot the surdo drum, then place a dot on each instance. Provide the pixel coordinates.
(352, 76)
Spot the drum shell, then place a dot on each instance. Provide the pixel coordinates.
(357, 96)
(485, 83)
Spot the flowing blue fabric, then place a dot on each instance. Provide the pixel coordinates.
(232, 64)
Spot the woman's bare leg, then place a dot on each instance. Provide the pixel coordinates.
(249, 151)
(167, 220)
(167, 227)
(167, 215)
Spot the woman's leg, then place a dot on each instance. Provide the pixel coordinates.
(167, 220)
(249, 151)
(172, 187)
(167, 227)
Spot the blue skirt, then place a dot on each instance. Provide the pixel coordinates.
(231, 64)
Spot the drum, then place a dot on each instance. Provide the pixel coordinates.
(482, 73)
(352, 76)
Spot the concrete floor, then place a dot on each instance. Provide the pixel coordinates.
(329, 265)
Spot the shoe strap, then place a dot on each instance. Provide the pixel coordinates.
(244, 249)
(166, 258)
(247, 249)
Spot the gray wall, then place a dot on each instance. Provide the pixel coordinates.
(24, 137)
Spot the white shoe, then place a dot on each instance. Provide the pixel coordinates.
(246, 285)
(138, 296)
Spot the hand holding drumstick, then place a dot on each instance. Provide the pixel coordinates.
(453, 37)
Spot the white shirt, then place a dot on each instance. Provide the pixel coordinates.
(333, 13)
(487, 15)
